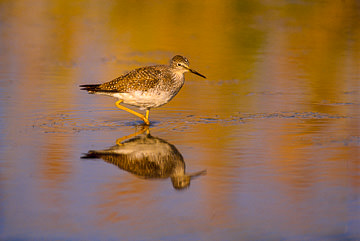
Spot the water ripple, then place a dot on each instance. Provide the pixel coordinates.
(72, 122)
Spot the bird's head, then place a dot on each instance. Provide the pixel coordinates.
(181, 64)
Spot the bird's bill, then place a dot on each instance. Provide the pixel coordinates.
(197, 73)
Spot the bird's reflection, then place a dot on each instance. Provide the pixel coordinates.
(147, 156)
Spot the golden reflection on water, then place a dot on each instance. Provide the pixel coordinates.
(276, 124)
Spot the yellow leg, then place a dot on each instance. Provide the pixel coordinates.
(147, 114)
(145, 119)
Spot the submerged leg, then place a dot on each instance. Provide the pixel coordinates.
(145, 119)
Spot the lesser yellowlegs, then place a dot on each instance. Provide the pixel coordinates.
(146, 87)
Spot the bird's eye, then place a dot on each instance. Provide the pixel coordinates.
(179, 64)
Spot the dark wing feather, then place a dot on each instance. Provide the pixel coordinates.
(90, 88)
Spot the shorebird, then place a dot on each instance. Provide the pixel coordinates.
(147, 87)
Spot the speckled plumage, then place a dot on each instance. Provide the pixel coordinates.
(146, 87)
(141, 79)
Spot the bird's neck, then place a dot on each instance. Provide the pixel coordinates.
(178, 78)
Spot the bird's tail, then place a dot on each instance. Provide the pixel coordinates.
(90, 88)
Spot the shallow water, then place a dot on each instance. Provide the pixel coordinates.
(275, 124)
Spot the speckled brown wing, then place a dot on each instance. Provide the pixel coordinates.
(141, 79)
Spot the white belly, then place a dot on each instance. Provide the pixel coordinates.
(145, 100)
